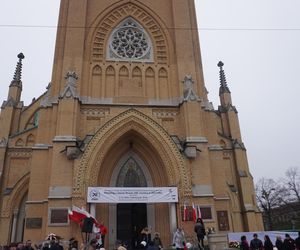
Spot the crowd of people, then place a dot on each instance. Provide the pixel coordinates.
(18, 246)
(145, 242)
(256, 244)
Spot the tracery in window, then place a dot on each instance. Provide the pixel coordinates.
(130, 42)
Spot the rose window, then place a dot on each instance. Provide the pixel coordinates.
(129, 41)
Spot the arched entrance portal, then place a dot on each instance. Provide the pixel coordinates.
(131, 218)
(132, 134)
(18, 221)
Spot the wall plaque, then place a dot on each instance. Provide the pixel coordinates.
(59, 216)
(34, 223)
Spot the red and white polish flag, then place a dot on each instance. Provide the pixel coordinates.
(194, 213)
(199, 212)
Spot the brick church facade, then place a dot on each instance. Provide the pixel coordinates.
(126, 107)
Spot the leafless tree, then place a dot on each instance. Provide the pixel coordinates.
(292, 183)
(269, 194)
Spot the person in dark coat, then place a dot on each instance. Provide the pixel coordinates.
(151, 246)
(297, 242)
(279, 243)
(28, 245)
(256, 243)
(288, 243)
(145, 235)
(244, 243)
(200, 231)
(268, 245)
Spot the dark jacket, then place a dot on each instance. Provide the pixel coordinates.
(268, 245)
(199, 229)
(256, 244)
(288, 244)
(244, 245)
(279, 244)
(297, 242)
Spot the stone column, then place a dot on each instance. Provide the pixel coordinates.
(93, 209)
(173, 217)
(14, 225)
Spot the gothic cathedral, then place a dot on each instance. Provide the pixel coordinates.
(126, 107)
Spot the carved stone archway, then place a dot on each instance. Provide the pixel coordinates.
(13, 210)
(91, 163)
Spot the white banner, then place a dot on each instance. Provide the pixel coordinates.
(132, 194)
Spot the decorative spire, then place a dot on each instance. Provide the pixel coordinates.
(223, 87)
(18, 72)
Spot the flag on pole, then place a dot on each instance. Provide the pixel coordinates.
(194, 213)
(77, 214)
(199, 212)
(185, 212)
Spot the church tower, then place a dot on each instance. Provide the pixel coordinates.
(126, 108)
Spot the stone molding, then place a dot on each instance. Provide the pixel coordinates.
(64, 138)
(94, 113)
(215, 148)
(86, 173)
(40, 146)
(165, 113)
(15, 197)
(37, 202)
(196, 139)
(15, 152)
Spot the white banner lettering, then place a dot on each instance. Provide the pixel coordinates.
(132, 194)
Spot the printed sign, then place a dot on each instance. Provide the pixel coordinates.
(132, 195)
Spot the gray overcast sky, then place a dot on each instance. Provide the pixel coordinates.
(259, 42)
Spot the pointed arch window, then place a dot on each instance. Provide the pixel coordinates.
(131, 175)
(129, 41)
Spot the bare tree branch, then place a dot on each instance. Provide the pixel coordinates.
(292, 182)
(269, 194)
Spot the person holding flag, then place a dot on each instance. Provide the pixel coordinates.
(200, 231)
